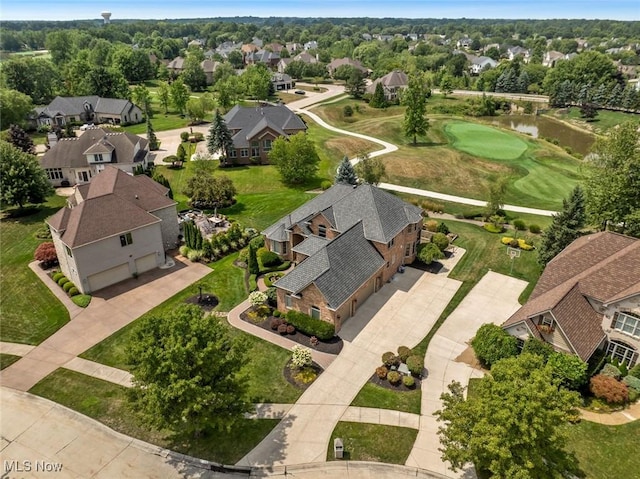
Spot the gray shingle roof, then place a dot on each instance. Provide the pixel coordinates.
(394, 79)
(74, 106)
(247, 122)
(338, 269)
(311, 245)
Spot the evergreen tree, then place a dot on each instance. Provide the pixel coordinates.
(615, 98)
(501, 83)
(160, 178)
(181, 153)
(154, 144)
(252, 260)
(19, 138)
(415, 99)
(346, 173)
(378, 100)
(523, 82)
(631, 98)
(219, 138)
(355, 84)
(565, 227)
(600, 95)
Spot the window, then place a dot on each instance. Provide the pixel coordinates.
(627, 323)
(98, 157)
(233, 153)
(244, 153)
(322, 231)
(315, 312)
(520, 343)
(266, 145)
(622, 352)
(391, 243)
(54, 173)
(547, 321)
(68, 250)
(255, 144)
(255, 152)
(278, 247)
(407, 250)
(126, 239)
(287, 301)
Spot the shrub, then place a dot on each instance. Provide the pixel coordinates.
(46, 254)
(184, 250)
(325, 185)
(429, 252)
(609, 389)
(632, 382)
(347, 111)
(290, 329)
(381, 372)
(67, 286)
(184, 136)
(403, 353)
(523, 245)
(81, 300)
(415, 364)
(275, 323)
(514, 243)
(57, 276)
(73, 292)
(257, 298)
(493, 343)
(312, 327)
(635, 371)
(257, 242)
(535, 229)
(491, 228)
(571, 370)
(431, 225)
(394, 377)
(301, 357)
(611, 371)
(270, 278)
(282, 329)
(62, 281)
(389, 359)
(198, 136)
(195, 255)
(272, 298)
(313, 341)
(535, 346)
(442, 228)
(408, 381)
(440, 240)
(506, 240)
(277, 313)
(519, 225)
(268, 258)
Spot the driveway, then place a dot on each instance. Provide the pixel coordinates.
(492, 300)
(110, 309)
(401, 313)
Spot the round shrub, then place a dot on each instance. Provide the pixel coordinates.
(381, 372)
(184, 136)
(408, 381)
(609, 389)
(443, 228)
(415, 364)
(632, 382)
(291, 329)
(276, 323)
(282, 329)
(195, 255)
(56, 277)
(492, 343)
(67, 286)
(269, 258)
(535, 229)
(184, 250)
(514, 243)
(431, 225)
(62, 281)
(277, 313)
(325, 185)
(523, 245)
(389, 359)
(440, 240)
(519, 225)
(506, 240)
(73, 292)
(611, 371)
(347, 111)
(403, 353)
(394, 377)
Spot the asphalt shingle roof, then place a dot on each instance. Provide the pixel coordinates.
(247, 122)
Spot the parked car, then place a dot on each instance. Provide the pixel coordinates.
(300, 92)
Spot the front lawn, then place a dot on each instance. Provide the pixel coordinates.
(30, 311)
(372, 395)
(7, 360)
(107, 402)
(373, 442)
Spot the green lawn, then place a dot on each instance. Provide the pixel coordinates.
(107, 403)
(602, 123)
(160, 122)
(7, 360)
(30, 312)
(372, 395)
(484, 141)
(373, 442)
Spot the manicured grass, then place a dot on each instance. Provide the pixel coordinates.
(602, 123)
(373, 442)
(107, 403)
(372, 395)
(605, 452)
(7, 360)
(30, 311)
(484, 141)
(160, 122)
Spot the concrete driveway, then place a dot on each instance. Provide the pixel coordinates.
(492, 300)
(401, 313)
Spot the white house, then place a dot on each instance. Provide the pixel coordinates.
(86, 109)
(114, 228)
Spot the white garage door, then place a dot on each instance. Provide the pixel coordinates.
(146, 263)
(107, 278)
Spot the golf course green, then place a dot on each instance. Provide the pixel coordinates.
(483, 141)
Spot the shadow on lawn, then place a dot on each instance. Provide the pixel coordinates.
(28, 215)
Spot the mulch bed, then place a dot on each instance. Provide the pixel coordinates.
(209, 301)
(332, 346)
(288, 375)
(387, 385)
(434, 267)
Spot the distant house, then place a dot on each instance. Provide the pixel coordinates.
(77, 160)
(274, 47)
(412, 37)
(198, 42)
(209, 67)
(113, 228)
(392, 84)
(305, 57)
(281, 81)
(227, 47)
(514, 52)
(312, 45)
(347, 243)
(480, 64)
(464, 42)
(86, 109)
(283, 64)
(551, 57)
(338, 62)
(587, 299)
(270, 59)
(255, 128)
(367, 37)
(176, 66)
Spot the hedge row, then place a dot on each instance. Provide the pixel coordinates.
(65, 283)
(312, 327)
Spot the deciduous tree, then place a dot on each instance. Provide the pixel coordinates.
(46, 253)
(370, 170)
(19, 138)
(497, 192)
(179, 93)
(164, 96)
(208, 191)
(492, 343)
(414, 98)
(14, 107)
(295, 159)
(22, 179)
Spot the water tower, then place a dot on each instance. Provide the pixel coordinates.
(107, 17)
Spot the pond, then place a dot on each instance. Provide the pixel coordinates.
(541, 126)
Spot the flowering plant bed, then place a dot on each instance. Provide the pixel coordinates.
(302, 378)
(384, 383)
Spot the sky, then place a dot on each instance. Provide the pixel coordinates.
(161, 9)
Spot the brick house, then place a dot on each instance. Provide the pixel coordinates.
(587, 299)
(392, 84)
(347, 243)
(255, 128)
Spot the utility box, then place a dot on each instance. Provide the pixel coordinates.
(338, 448)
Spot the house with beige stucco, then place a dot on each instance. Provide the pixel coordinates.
(587, 299)
(113, 228)
(346, 244)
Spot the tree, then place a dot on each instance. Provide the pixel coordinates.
(160, 178)
(565, 227)
(135, 65)
(497, 192)
(181, 153)
(219, 138)
(429, 252)
(141, 96)
(588, 111)
(193, 75)
(35, 77)
(185, 368)
(252, 260)
(355, 84)
(257, 81)
(208, 191)
(19, 138)
(107, 83)
(492, 343)
(612, 188)
(195, 110)
(295, 159)
(164, 96)
(14, 107)
(569, 369)
(346, 173)
(415, 99)
(22, 179)
(378, 99)
(179, 93)
(370, 170)
(512, 425)
(154, 144)
(46, 253)
(446, 85)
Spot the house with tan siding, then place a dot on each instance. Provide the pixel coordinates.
(587, 299)
(346, 244)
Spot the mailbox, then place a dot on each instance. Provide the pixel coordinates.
(338, 448)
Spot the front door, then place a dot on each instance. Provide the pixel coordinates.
(83, 176)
